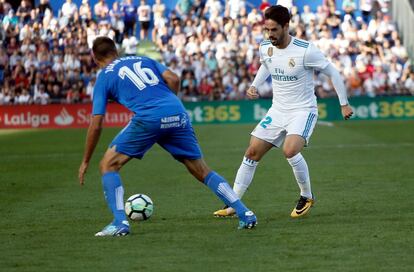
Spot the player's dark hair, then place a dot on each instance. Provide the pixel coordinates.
(104, 47)
(278, 13)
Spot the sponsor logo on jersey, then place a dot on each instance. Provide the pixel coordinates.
(281, 76)
(174, 121)
(292, 63)
(270, 51)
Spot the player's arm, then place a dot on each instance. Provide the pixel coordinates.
(340, 89)
(92, 139)
(314, 59)
(261, 76)
(173, 80)
(95, 126)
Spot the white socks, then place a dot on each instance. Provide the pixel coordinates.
(301, 172)
(247, 168)
(244, 176)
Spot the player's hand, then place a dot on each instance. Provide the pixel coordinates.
(82, 171)
(252, 93)
(346, 111)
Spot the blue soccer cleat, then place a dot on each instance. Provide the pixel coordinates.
(248, 221)
(115, 230)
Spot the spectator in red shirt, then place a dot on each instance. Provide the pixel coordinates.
(264, 5)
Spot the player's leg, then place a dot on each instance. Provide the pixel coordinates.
(218, 185)
(181, 142)
(132, 142)
(254, 153)
(114, 192)
(292, 147)
(268, 133)
(299, 131)
(244, 177)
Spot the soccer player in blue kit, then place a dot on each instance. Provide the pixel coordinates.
(148, 89)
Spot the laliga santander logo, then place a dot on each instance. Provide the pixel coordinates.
(64, 118)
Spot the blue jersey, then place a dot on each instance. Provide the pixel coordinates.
(136, 83)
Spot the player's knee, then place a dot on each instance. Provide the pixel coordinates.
(201, 173)
(198, 168)
(103, 166)
(252, 154)
(290, 152)
(108, 166)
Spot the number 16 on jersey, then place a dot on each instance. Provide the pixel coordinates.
(141, 77)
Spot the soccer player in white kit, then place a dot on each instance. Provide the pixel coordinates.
(290, 121)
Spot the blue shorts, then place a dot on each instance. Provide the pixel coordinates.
(173, 133)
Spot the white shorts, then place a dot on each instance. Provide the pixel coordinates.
(276, 125)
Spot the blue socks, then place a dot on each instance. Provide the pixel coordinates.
(222, 189)
(114, 195)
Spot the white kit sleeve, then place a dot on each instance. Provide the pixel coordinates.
(337, 82)
(261, 76)
(315, 59)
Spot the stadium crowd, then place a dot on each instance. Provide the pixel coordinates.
(212, 44)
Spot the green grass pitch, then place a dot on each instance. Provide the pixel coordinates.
(362, 175)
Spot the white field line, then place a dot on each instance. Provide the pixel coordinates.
(365, 145)
(337, 146)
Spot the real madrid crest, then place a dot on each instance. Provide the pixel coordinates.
(270, 51)
(292, 63)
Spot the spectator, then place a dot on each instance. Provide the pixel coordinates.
(117, 23)
(144, 17)
(213, 9)
(205, 89)
(24, 97)
(264, 5)
(69, 10)
(85, 12)
(349, 7)
(129, 45)
(254, 17)
(23, 11)
(234, 8)
(130, 17)
(158, 9)
(41, 96)
(43, 9)
(10, 21)
(295, 19)
(366, 7)
(379, 80)
(184, 7)
(409, 83)
(56, 96)
(399, 51)
(101, 11)
(307, 15)
(329, 6)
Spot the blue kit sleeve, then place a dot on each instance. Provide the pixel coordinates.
(100, 96)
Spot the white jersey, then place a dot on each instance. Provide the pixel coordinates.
(291, 70)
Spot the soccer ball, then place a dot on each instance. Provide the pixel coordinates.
(139, 207)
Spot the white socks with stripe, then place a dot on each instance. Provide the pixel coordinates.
(301, 172)
(244, 176)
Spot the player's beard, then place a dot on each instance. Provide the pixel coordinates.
(274, 41)
(277, 41)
